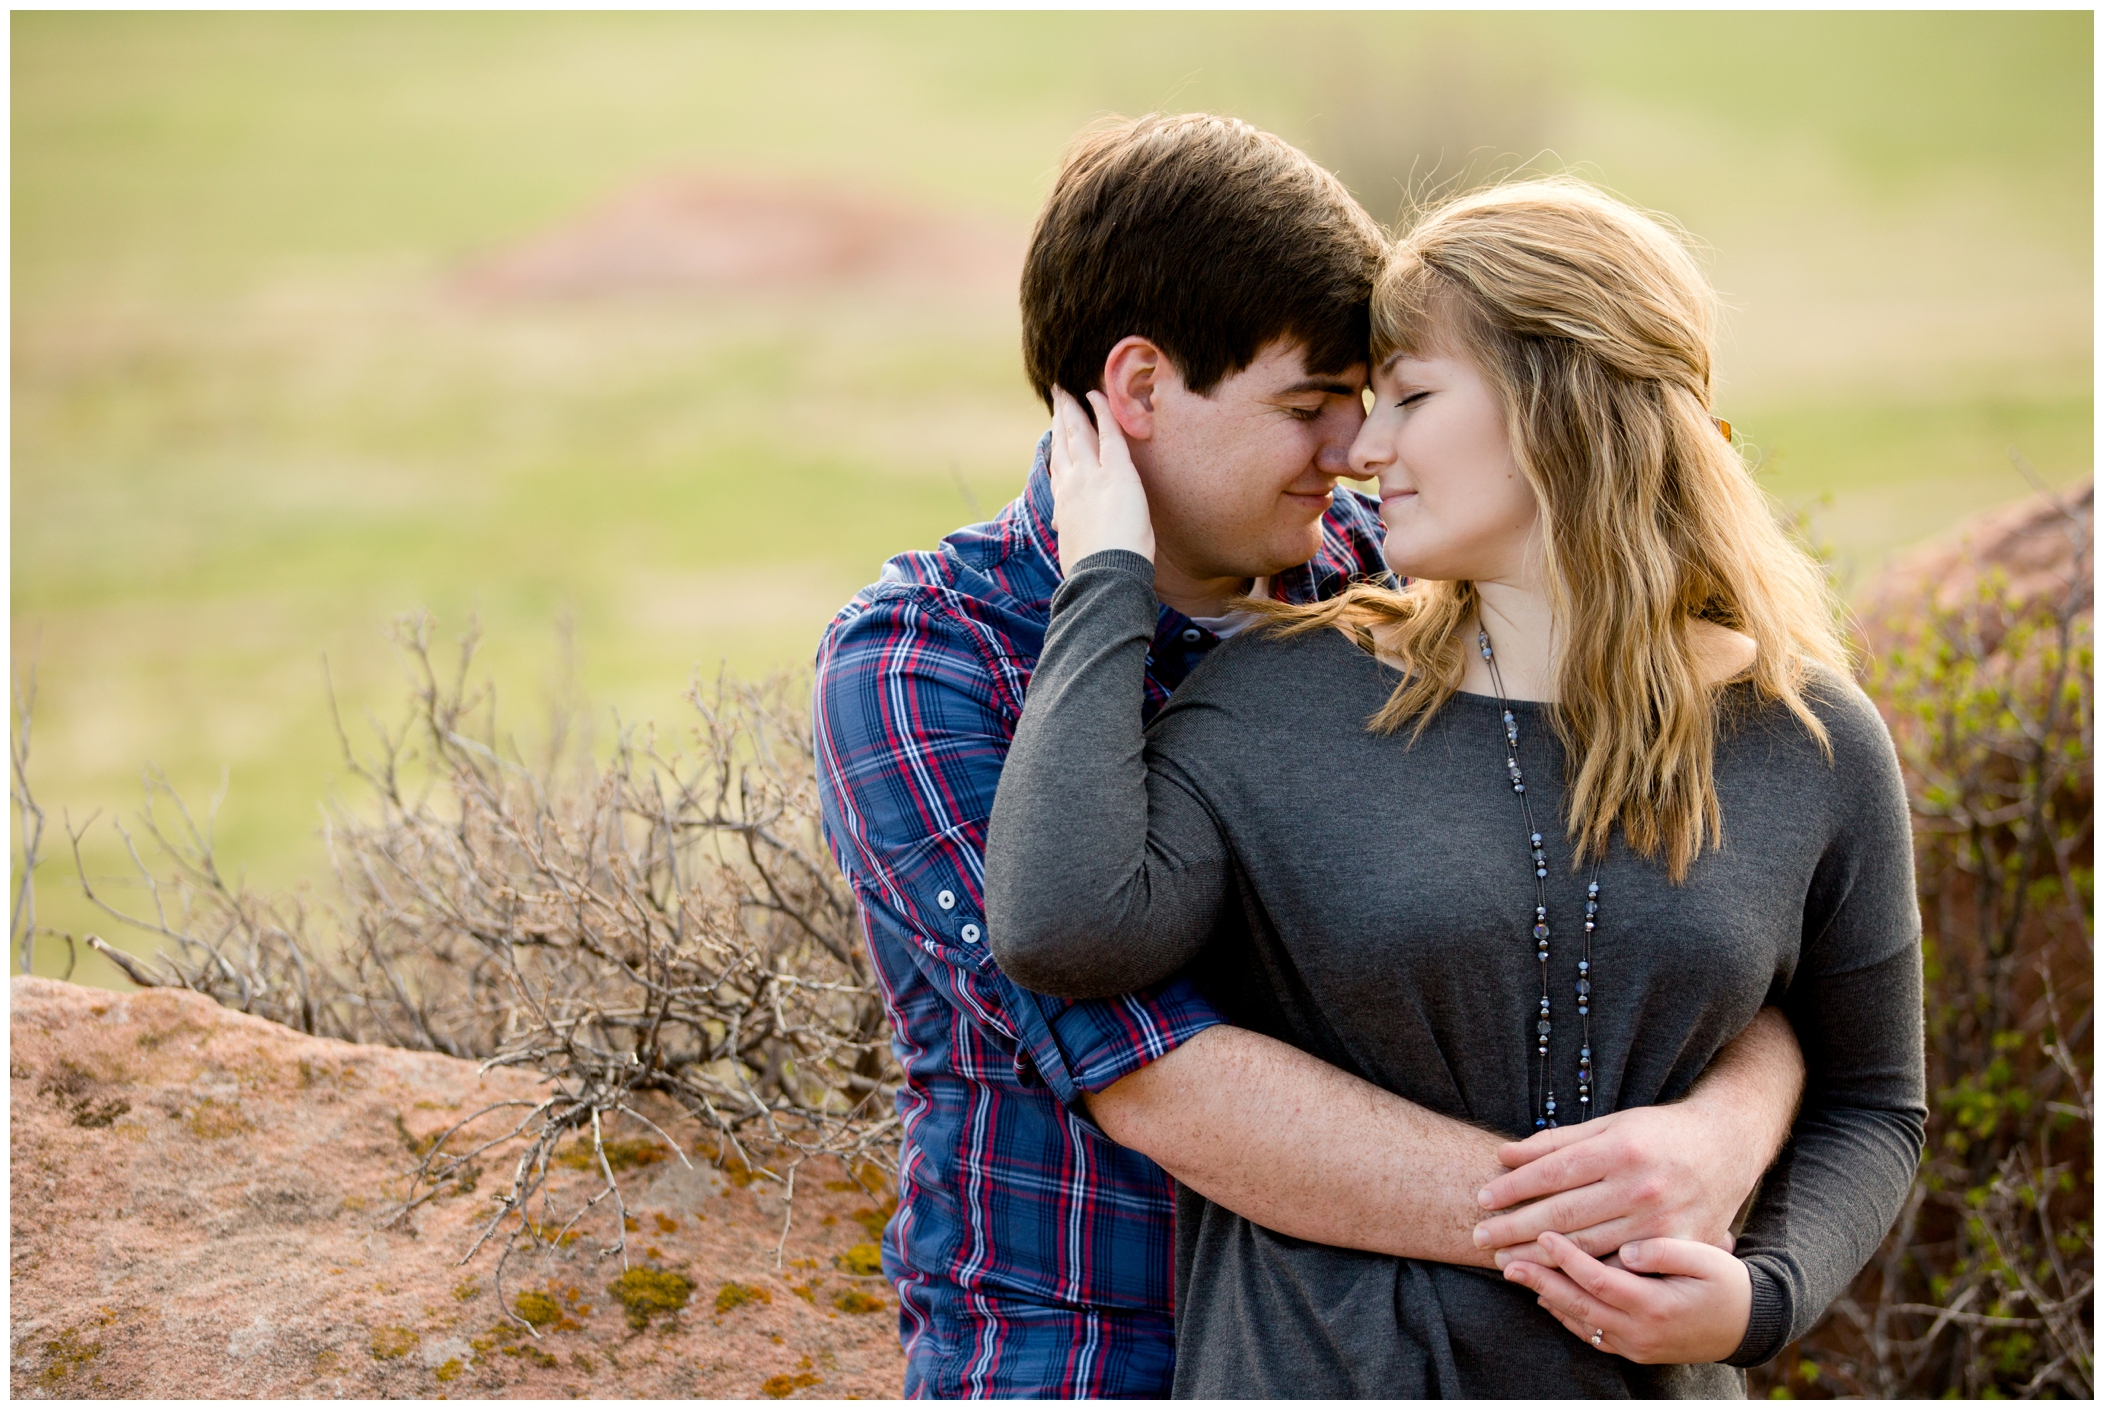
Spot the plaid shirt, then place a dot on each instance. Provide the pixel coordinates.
(1032, 1256)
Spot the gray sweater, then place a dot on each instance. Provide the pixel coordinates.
(1368, 900)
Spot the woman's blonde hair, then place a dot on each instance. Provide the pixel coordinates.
(1596, 329)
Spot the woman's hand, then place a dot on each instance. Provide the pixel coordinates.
(1695, 1312)
(1098, 502)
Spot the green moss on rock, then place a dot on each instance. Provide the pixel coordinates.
(651, 1292)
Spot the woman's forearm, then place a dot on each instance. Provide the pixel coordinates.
(1099, 880)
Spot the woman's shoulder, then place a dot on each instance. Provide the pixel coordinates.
(1856, 736)
(1262, 666)
(1842, 706)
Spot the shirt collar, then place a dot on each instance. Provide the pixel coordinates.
(1032, 527)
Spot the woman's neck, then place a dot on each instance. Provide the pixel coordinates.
(1522, 633)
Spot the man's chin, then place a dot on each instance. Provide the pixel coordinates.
(1289, 553)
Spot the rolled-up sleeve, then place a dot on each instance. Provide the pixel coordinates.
(914, 709)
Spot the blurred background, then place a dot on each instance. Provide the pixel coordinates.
(644, 339)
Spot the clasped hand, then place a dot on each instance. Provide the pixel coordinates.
(1098, 500)
(1643, 1193)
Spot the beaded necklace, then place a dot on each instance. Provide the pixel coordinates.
(1546, 1113)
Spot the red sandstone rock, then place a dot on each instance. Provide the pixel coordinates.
(201, 1205)
(700, 234)
(2032, 543)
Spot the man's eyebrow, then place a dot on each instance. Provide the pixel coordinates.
(1329, 386)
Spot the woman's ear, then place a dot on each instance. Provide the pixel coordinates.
(1135, 372)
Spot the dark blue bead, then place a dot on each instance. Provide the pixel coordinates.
(1541, 931)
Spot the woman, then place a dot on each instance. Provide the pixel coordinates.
(1609, 791)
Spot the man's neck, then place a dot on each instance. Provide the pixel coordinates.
(1193, 594)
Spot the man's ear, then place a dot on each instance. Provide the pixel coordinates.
(1134, 374)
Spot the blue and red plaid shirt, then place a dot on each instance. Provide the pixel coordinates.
(1032, 1256)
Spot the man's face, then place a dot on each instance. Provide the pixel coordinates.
(1238, 480)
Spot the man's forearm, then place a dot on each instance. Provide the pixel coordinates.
(1289, 1142)
(1756, 1081)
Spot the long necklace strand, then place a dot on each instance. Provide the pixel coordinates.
(1546, 1113)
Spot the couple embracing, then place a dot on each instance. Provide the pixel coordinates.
(1354, 947)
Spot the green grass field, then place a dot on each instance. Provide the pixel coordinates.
(253, 423)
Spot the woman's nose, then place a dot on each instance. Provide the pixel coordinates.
(1368, 454)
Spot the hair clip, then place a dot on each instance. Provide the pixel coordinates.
(1723, 426)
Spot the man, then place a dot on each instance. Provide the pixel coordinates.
(1213, 282)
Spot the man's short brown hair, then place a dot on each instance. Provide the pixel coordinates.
(1204, 236)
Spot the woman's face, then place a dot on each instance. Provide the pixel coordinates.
(1454, 500)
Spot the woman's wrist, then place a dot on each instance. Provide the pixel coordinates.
(1118, 560)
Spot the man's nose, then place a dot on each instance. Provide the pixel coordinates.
(1334, 458)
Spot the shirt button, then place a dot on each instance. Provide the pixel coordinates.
(1190, 633)
(970, 935)
(946, 899)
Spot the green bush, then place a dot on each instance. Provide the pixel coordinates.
(1984, 1288)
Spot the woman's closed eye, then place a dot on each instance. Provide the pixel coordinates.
(1413, 399)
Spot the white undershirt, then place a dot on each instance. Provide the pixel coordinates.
(1227, 626)
(1232, 622)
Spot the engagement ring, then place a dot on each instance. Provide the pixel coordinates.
(1597, 1336)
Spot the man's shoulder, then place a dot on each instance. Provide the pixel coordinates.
(1354, 519)
(974, 607)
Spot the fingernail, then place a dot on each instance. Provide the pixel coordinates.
(1632, 1250)
(1482, 1239)
(1483, 1197)
(1501, 1258)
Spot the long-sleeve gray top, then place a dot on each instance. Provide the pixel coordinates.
(1370, 899)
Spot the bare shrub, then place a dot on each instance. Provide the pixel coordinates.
(660, 922)
(1985, 1287)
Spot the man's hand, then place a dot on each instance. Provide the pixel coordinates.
(1680, 1171)
(1098, 501)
